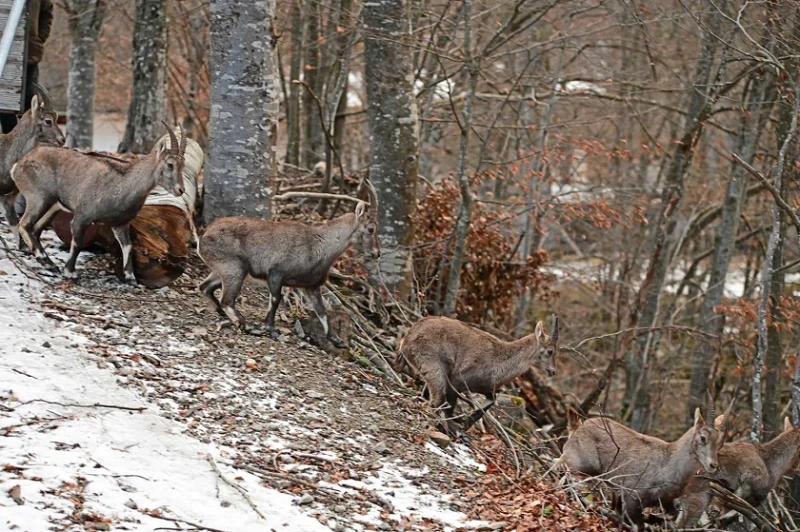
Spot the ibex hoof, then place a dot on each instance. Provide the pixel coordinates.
(130, 279)
(337, 343)
(68, 274)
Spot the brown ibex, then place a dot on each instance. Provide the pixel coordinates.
(284, 253)
(95, 189)
(645, 471)
(453, 358)
(749, 470)
(37, 126)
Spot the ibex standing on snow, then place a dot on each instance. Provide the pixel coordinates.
(749, 470)
(453, 358)
(37, 126)
(95, 189)
(285, 253)
(647, 471)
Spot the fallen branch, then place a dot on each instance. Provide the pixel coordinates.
(94, 405)
(318, 195)
(15, 370)
(184, 521)
(235, 486)
(283, 476)
(742, 506)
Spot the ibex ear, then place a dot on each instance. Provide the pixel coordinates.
(360, 209)
(539, 332)
(719, 421)
(787, 424)
(698, 418)
(35, 102)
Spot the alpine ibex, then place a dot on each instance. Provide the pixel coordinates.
(285, 253)
(95, 189)
(453, 358)
(749, 470)
(37, 126)
(646, 471)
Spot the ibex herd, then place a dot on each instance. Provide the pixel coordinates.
(452, 358)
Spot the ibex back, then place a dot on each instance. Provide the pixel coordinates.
(645, 470)
(454, 358)
(39, 125)
(285, 253)
(750, 470)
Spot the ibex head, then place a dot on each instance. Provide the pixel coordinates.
(365, 237)
(789, 428)
(548, 347)
(170, 163)
(45, 119)
(708, 439)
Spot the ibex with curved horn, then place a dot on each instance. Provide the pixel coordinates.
(95, 189)
(37, 126)
(453, 358)
(285, 253)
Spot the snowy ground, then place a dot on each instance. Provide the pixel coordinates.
(114, 421)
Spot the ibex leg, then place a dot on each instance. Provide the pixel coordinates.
(275, 291)
(319, 308)
(123, 236)
(231, 286)
(443, 399)
(45, 220)
(78, 229)
(34, 210)
(479, 413)
(208, 287)
(9, 212)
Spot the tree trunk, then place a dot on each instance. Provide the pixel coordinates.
(753, 121)
(637, 398)
(313, 137)
(392, 117)
(244, 110)
(85, 23)
(295, 69)
(148, 102)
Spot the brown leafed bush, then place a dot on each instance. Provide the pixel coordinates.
(493, 275)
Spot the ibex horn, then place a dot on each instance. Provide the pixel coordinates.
(554, 334)
(373, 200)
(173, 141)
(48, 103)
(183, 140)
(711, 412)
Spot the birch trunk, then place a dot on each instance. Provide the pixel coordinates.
(85, 23)
(244, 110)
(637, 399)
(757, 111)
(392, 117)
(148, 102)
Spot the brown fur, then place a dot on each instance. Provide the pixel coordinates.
(750, 470)
(285, 253)
(96, 190)
(646, 471)
(454, 358)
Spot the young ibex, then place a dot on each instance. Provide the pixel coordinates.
(95, 189)
(285, 253)
(645, 470)
(37, 126)
(453, 358)
(750, 470)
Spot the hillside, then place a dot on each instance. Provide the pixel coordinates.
(130, 409)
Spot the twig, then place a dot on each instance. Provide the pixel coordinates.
(235, 486)
(15, 370)
(184, 521)
(772, 190)
(741, 506)
(322, 195)
(94, 405)
(283, 476)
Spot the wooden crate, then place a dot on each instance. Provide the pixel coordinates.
(12, 82)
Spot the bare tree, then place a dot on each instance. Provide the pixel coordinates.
(148, 102)
(392, 115)
(85, 24)
(244, 110)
